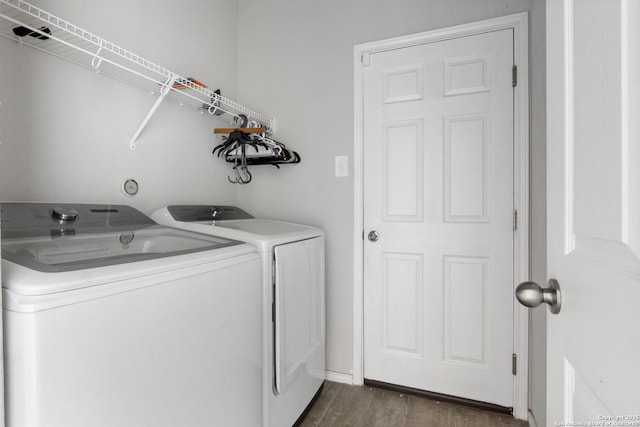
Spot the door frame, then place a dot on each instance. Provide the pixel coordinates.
(519, 23)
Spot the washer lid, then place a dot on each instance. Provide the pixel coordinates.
(68, 253)
(91, 236)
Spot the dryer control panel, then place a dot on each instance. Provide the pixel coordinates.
(194, 213)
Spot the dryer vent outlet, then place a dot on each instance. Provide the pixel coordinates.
(130, 187)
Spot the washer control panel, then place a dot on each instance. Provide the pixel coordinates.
(40, 219)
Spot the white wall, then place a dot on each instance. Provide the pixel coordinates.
(65, 129)
(295, 64)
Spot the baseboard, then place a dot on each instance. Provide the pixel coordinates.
(531, 420)
(338, 377)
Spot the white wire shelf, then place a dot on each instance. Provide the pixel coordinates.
(29, 25)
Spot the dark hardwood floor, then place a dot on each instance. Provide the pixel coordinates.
(343, 405)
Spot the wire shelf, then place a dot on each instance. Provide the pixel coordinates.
(29, 25)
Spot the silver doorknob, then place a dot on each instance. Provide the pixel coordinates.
(530, 294)
(373, 236)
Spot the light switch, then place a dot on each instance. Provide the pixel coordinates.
(342, 166)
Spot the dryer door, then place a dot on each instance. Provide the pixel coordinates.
(299, 311)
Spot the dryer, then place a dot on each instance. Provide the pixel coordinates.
(293, 300)
(113, 320)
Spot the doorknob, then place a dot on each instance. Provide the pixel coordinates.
(373, 236)
(530, 294)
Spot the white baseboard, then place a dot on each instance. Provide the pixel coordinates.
(531, 420)
(339, 377)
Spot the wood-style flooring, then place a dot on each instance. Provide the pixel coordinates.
(343, 405)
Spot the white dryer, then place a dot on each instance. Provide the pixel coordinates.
(113, 320)
(293, 300)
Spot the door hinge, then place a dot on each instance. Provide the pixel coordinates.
(514, 76)
(366, 59)
(515, 220)
(514, 364)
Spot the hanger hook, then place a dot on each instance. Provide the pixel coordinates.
(243, 120)
(243, 176)
(247, 175)
(234, 181)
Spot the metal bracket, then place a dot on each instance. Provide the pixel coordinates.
(366, 59)
(166, 87)
(96, 61)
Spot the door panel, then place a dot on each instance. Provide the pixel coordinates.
(402, 171)
(593, 210)
(465, 169)
(298, 312)
(402, 312)
(438, 187)
(465, 284)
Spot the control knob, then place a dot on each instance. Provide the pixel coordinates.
(63, 214)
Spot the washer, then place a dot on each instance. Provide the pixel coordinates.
(113, 320)
(293, 300)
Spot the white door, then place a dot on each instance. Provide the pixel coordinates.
(593, 110)
(439, 199)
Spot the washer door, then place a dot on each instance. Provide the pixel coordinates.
(299, 311)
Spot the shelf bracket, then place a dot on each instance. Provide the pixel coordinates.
(96, 61)
(62, 39)
(166, 87)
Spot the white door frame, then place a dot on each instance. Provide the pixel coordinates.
(519, 23)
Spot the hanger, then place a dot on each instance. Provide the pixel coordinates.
(243, 176)
(234, 150)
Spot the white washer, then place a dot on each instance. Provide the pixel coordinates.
(293, 300)
(113, 320)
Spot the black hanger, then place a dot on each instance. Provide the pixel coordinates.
(24, 31)
(234, 150)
